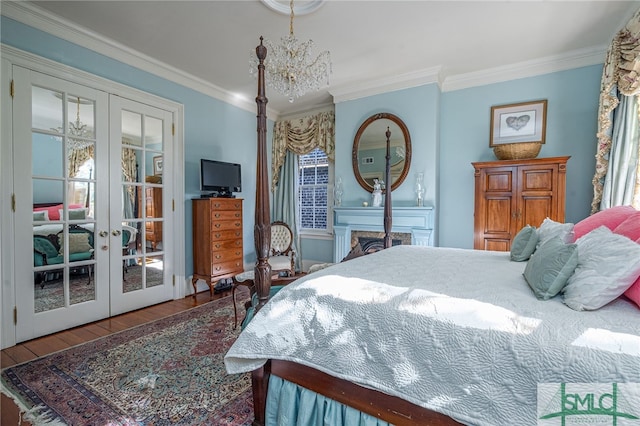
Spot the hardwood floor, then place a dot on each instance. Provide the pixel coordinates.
(32, 349)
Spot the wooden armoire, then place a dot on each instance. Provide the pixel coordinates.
(510, 194)
(152, 208)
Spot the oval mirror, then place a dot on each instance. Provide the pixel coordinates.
(370, 150)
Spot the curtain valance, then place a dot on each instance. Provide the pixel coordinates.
(302, 136)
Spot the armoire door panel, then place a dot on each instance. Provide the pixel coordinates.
(497, 210)
(495, 244)
(499, 181)
(538, 180)
(536, 209)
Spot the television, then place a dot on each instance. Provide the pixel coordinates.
(219, 178)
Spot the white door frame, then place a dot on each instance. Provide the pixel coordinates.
(12, 56)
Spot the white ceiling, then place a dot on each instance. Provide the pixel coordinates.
(372, 43)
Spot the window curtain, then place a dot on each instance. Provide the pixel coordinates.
(284, 202)
(616, 178)
(290, 139)
(77, 157)
(302, 136)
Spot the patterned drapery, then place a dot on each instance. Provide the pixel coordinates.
(77, 157)
(128, 164)
(621, 75)
(302, 136)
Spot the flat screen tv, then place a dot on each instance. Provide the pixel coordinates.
(219, 178)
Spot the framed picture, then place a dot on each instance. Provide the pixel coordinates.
(516, 123)
(157, 165)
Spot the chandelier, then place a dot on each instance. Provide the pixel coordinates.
(78, 131)
(290, 68)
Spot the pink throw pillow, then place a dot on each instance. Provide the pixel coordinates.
(610, 218)
(630, 227)
(633, 292)
(54, 211)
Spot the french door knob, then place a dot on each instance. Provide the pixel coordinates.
(115, 232)
(103, 233)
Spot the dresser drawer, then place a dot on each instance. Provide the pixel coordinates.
(224, 215)
(226, 235)
(225, 245)
(227, 255)
(225, 225)
(217, 205)
(226, 267)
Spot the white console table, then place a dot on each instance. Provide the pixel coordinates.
(417, 221)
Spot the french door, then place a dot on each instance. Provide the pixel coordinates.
(141, 135)
(81, 173)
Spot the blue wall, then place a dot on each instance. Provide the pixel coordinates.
(212, 129)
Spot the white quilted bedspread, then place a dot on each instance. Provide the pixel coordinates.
(456, 331)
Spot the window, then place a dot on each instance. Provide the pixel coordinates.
(313, 191)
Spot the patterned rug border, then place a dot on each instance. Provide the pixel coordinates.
(34, 414)
(238, 295)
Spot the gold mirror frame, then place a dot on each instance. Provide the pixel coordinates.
(370, 126)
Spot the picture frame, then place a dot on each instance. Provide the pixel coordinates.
(518, 123)
(157, 165)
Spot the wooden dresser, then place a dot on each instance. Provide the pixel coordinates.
(510, 194)
(152, 209)
(217, 239)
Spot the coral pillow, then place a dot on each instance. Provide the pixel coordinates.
(54, 213)
(610, 218)
(630, 227)
(633, 292)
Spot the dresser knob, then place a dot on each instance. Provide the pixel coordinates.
(217, 215)
(217, 245)
(217, 235)
(217, 225)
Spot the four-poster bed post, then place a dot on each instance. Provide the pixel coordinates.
(387, 193)
(262, 227)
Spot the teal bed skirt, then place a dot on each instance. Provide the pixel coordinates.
(291, 405)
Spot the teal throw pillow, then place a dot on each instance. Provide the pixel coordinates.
(524, 244)
(550, 267)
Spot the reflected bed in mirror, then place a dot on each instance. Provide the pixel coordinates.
(369, 150)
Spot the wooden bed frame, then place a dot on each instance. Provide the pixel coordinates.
(388, 408)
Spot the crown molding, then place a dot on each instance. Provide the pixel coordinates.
(43, 20)
(350, 92)
(574, 59)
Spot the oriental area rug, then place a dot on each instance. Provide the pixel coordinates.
(167, 372)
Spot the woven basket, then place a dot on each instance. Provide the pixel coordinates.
(517, 151)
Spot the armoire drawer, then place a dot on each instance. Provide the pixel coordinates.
(225, 245)
(226, 235)
(226, 255)
(224, 215)
(226, 267)
(226, 205)
(229, 224)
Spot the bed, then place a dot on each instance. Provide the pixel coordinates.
(419, 335)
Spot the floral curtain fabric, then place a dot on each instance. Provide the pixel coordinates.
(302, 136)
(620, 77)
